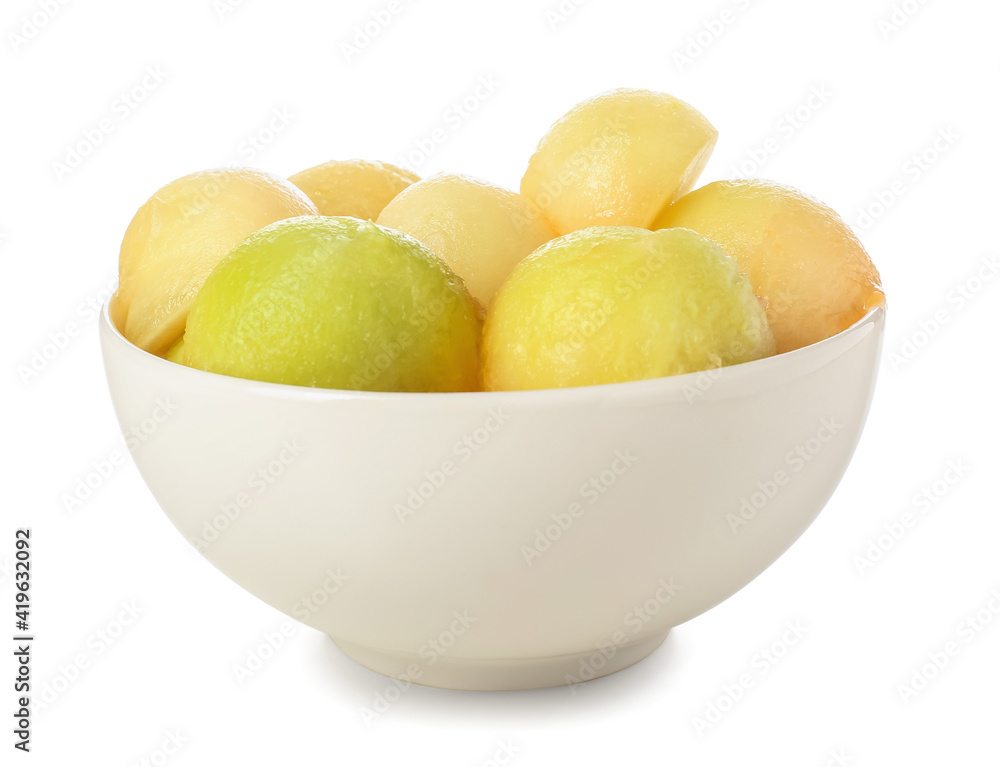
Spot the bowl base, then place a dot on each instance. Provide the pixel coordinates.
(501, 674)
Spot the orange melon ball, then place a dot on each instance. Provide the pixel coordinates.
(805, 264)
(355, 188)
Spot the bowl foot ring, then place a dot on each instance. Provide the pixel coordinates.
(501, 674)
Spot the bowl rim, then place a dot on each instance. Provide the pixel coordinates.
(725, 382)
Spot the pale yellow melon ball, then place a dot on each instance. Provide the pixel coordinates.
(479, 229)
(356, 188)
(617, 160)
(178, 237)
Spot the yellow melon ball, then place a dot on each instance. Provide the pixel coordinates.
(178, 237)
(810, 271)
(618, 160)
(356, 188)
(479, 229)
(613, 303)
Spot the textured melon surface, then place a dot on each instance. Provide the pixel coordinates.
(337, 303)
(358, 188)
(178, 237)
(618, 159)
(612, 304)
(479, 229)
(812, 274)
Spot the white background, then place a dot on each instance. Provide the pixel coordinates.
(224, 73)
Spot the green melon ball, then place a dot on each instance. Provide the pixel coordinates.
(337, 303)
(613, 303)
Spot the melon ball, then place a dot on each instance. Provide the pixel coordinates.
(809, 270)
(612, 304)
(617, 160)
(179, 236)
(479, 229)
(357, 188)
(339, 303)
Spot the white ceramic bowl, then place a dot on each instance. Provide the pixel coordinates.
(498, 540)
